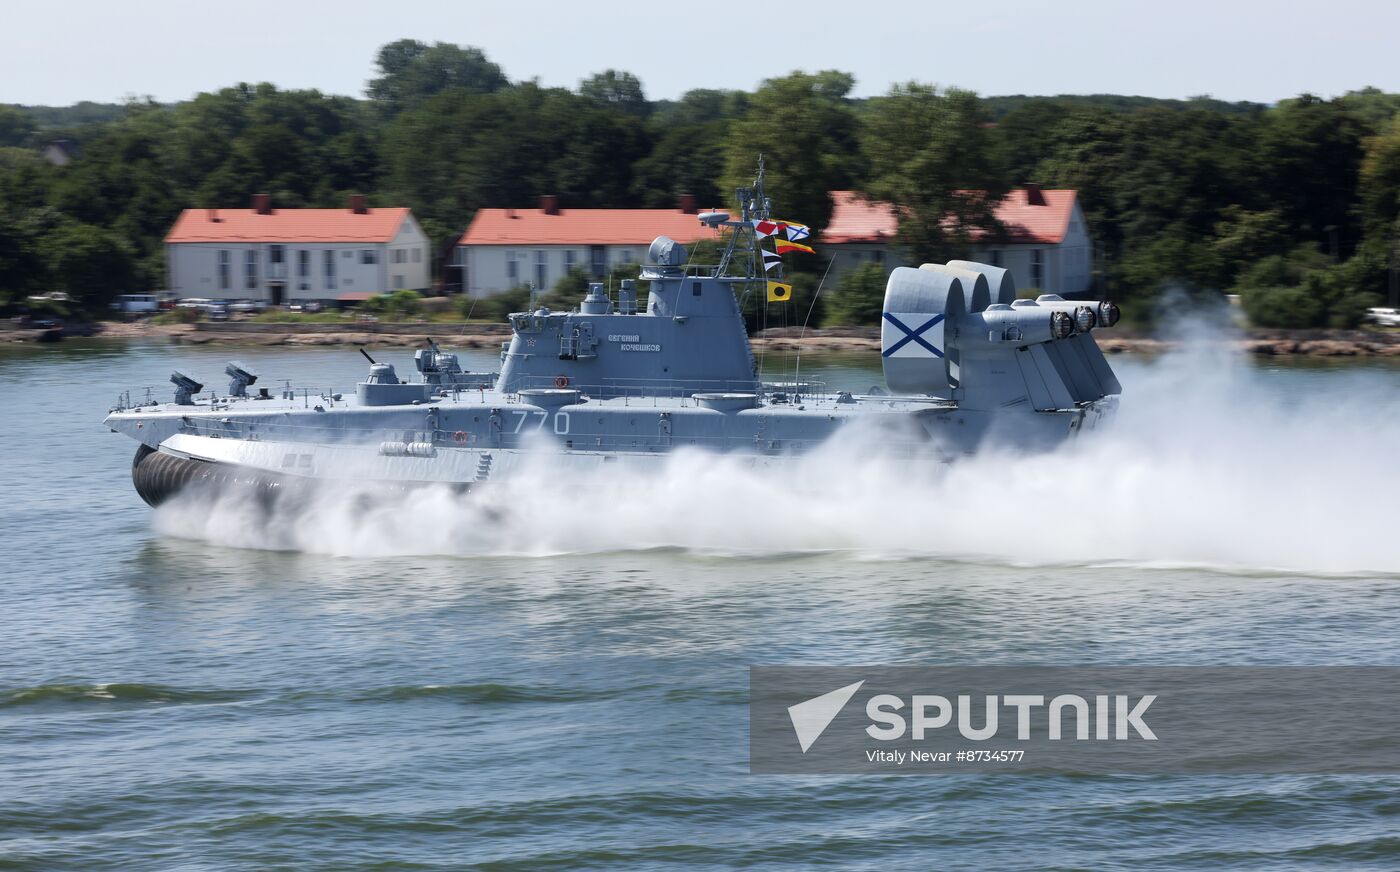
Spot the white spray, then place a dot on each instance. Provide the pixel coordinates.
(1201, 467)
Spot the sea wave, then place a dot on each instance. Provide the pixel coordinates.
(114, 693)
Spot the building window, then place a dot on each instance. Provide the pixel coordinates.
(224, 271)
(598, 256)
(250, 268)
(626, 255)
(304, 269)
(369, 257)
(347, 254)
(274, 254)
(398, 283)
(570, 259)
(878, 256)
(541, 269)
(1037, 269)
(400, 255)
(995, 257)
(417, 255)
(512, 268)
(329, 262)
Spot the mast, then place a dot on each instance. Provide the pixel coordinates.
(754, 205)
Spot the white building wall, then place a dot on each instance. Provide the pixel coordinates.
(1066, 268)
(491, 269)
(194, 269)
(408, 259)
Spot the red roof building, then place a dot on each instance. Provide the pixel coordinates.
(279, 255)
(506, 248)
(1047, 246)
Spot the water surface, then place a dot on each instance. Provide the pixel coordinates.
(568, 688)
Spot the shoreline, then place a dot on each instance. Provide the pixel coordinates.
(1260, 342)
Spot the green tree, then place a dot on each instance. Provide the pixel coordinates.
(1379, 184)
(1306, 289)
(860, 296)
(411, 71)
(1372, 106)
(23, 268)
(461, 151)
(1084, 152)
(15, 127)
(614, 89)
(89, 263)
(394, 305)
(1026, 136)
(930, 154)
(803, 126)
(686, 159)
(701, 106)
(1243, 237)
(1310, 156)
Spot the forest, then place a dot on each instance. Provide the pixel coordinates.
(1295, 205)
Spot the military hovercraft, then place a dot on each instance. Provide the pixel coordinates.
(626, 382)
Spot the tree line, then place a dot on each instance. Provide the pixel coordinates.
(1296, 206)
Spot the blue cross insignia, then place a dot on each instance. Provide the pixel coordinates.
(916, 341)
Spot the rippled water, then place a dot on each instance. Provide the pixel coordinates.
(569, 689)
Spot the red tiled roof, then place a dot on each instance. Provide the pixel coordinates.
(582, 227)
(287, 225)
(856, 220)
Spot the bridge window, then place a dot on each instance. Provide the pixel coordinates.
(695, 289)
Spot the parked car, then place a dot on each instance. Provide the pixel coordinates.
(1384, 316)
(250, 306)
(217, 310)
(136, 303)
(193, 303)
(308, 306)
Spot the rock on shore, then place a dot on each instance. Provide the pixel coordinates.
(1268, 343)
